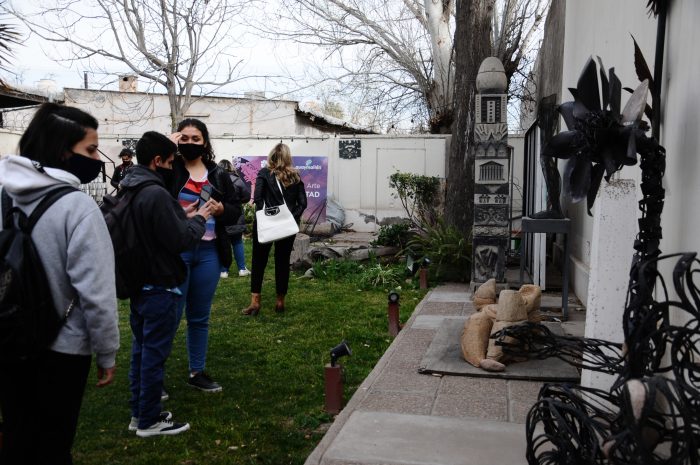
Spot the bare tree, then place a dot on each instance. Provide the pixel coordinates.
(400, 52)
(179, 45)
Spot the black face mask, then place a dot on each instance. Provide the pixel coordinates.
(167, 174)
(191, 151)
(84, 168)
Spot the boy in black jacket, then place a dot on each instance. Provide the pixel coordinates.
(166, 231)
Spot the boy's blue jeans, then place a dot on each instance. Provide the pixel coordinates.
(153, 324)
(203, 269)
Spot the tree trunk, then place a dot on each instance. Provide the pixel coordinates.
(440, 97)
(472, 46)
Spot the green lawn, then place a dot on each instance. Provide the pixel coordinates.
(271, 369)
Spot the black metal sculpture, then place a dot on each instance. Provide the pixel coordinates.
(652, 413)
(600, 138)
(547, 118)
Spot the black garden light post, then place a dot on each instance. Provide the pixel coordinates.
(393, 313)
(423, 273)
(333, 374)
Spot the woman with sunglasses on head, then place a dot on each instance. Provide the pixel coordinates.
(196, 176)
(41, 395)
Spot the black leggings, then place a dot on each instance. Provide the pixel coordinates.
(40, 402)
(261, 252)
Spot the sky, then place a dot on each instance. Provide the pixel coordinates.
(34, 61)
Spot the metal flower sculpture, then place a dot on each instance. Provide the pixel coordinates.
(601, 138)
(651, 415)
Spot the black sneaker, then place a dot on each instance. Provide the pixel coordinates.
(163, 428)
(134, 423)
(164, 395)
(203, 382)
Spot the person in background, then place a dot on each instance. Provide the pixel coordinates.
(120, 171)
(165, 231)
(195, 172)
(279, 168)
(235, 232)
(40, 398)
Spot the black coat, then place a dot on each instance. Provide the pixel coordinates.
(119, 174)
(243, 193)
(163, 225)
(266, 191)
(221, 181)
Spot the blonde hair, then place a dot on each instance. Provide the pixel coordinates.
(279, 161)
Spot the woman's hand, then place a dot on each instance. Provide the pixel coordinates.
(216, 208)
(175, 137)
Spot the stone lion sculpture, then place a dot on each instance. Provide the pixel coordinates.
(511, 308)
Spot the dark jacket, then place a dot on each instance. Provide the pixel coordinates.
(243, 193)
(119, 174)
(266, 191)
(165, 228)
(221, 181)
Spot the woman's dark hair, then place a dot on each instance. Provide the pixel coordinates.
(126, 152)
(194, 122)
(53, 132)
(151, 144)
(226, 166)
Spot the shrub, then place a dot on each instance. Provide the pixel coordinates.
(380, 276)
(419, 196)
(249, 215)
(392, 235)
(449, 251)
(334, 270)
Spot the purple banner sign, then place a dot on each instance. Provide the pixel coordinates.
(314, 175)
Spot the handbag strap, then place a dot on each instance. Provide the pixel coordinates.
(281, 191)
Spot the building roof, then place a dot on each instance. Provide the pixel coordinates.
(311, 111)
(12, 97)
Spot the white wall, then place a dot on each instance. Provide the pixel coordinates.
(360, 185)
(9, 141)
(680, 129)
(602, 28)
(130, 114)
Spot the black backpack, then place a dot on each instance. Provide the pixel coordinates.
(131, 257)
(29, 322)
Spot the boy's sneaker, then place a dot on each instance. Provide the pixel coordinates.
(224, 274)
(163, 428)
(134, 423)
(164, 395)
(203, 382)
(244, 272)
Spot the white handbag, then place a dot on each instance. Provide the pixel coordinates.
(275, 223)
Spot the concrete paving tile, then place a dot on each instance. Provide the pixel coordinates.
(429, 321)
(397, 402)
(522, 396)
(407, 382)
(442, 308)
(468, 309)
(410, 337)
(396, 439)
(468, 386)
(449, 296)
(486, 407)
(452, 287)
(574, 328)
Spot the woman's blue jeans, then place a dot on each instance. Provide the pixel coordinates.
(238, 251)
(203, 269)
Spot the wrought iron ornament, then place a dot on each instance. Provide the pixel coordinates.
(652, 413)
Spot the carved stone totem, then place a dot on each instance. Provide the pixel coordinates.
(491, 174)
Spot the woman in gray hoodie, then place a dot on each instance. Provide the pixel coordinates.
(40, 398)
